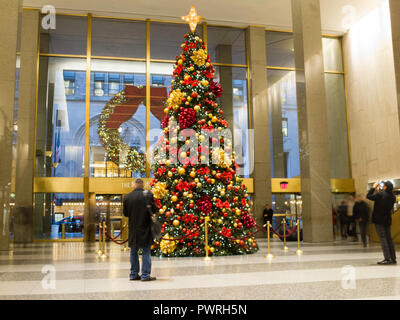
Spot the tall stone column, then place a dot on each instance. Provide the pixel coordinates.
(260, 119)
(23, 224)
(275, 106)
(395, 20)
(313, 123)
(9, 27)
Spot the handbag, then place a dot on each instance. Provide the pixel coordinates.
(155, 225)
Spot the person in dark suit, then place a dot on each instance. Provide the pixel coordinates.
(343, 219)
(140, 237)
(384, 200)
(268, 214)
(361, 215)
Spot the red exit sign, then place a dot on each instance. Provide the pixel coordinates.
(284, 185)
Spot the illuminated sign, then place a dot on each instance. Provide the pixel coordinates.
(284, 184)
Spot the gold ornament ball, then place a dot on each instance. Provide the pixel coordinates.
(181, 170)
(193, 174)
(183, 155)
(197, 108)
(170, 174)
(174, 199)
(212, 249)
(161, 211)
(175, 223)
(180, 61)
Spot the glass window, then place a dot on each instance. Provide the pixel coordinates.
(118, 38)
(285, 127)
(337, 125)
(226, 45)
(61, 118)
(114, 83)
(280, 49)
(235, 107)
(125, 120)
(58, 216)
(161, 77)
(285, 161)
(166, 39)
(69, 37)
(332, 49)
(69, 82)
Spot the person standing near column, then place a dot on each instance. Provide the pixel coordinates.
(361, 215)
(268, 214)
(140, 236)
(382, 195)
(351, 226)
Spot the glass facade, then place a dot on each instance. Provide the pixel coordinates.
(282, 102)
(119, 61)
(108, 77)
(60, 138)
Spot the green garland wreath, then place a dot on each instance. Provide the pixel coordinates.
(113, 143)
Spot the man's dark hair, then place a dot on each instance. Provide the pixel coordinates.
(389, 186)
(139, 183)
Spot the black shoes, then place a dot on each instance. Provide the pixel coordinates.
(387, 262)
(135, 278)
(149, 279)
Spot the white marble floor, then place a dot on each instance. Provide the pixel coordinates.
(341, 270)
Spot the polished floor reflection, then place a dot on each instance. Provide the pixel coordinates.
(343, 270)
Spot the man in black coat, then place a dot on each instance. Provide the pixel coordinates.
(361, 215)
(382, 218)
(140, 237)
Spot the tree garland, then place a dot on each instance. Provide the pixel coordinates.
(117, 151)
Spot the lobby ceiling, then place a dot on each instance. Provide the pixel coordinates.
(337, 15)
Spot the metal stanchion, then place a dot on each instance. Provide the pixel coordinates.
(285, 247)
(298, 251)
(104, 241)
(63, 231)
(112, 230)
(126, 233)
(100, 251)
(269, 255)
(206, 248)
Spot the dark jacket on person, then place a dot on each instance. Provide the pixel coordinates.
(135, 208)
(361, 211)
(267, 215)
(342, 212)
(383, 206)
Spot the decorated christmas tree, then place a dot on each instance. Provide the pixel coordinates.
(195, 176)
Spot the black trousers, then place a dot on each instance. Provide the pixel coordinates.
(363, 231)
(387, 244)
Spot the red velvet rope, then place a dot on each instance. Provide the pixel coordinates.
(173, 239)
(288, 235)
(232, 238)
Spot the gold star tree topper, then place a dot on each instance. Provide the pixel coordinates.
(192, 18)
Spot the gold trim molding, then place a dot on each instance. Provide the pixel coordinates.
(125, 185)
(99, 185)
